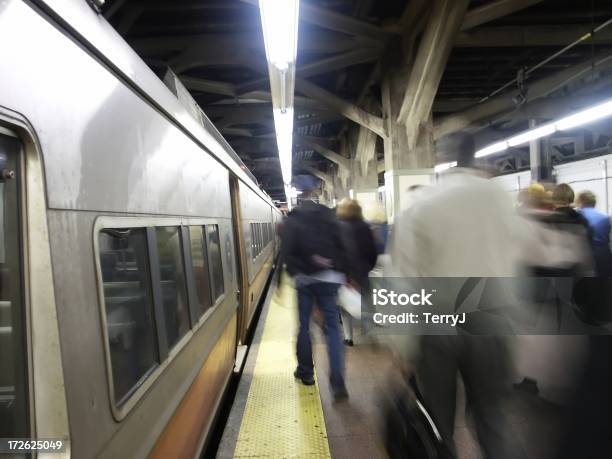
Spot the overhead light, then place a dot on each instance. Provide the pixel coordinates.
(444, 166)
(495, 148)
(569, 122)
(283, 122)
(586, 116)
(532, 134)
(288, 195)
(279, 20)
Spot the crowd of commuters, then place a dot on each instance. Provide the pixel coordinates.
(464, 226)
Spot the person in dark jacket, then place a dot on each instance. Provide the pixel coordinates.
(314, 254)
(362, 254)
(574, 235)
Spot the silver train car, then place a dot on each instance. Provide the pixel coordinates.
(133, 250)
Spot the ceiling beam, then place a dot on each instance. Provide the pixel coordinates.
(318, 173)
(346, 109)
(445, 105)
(238, 132)
(207, 53)
(326, 65)
(339, 61)
(164, 6)
(299, 102)
(504, 103)
(494, 10)
(320, 42)
(319, 118)
(209, 86)
(431, 58)
(327, 153)
(530, 36)
(153, 44)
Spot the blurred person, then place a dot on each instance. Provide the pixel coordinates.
(588, 433)
(315, 256)
(569, 247)
(376, 216)
(555, 243)
(361, 253)
(465, 226)
(599, 224)
(555, 236)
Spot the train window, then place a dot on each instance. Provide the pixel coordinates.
(265, 228)
(199, 263)
(253, 250)
(264, 235)
(172, 281)
(259, 243)
(214, 255)
(256, 239)
(13, 350)
(130, 327)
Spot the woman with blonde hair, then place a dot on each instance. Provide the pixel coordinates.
(359, 242)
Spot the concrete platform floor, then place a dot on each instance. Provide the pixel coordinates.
(353, 427)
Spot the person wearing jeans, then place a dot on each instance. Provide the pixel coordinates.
(314, 253)
(324, 294)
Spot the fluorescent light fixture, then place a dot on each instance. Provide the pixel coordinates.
(586, 116)
(444, 166)
(288, 195)
(283, 123)
(569, 122)
(495, 148)
(279, 19)
(532, 134)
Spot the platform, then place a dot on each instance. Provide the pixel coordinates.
(275, 416)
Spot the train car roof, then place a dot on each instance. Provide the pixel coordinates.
(100, 38)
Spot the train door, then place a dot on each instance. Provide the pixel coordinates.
(241, 263)
(14, 410)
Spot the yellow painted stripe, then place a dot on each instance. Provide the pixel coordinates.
(282, 417)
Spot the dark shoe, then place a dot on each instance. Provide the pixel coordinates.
(348, 342)
(340, 393)
(306, 380)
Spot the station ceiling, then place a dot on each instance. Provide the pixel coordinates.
(216, 48)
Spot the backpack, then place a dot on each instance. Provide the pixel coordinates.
(409, 431)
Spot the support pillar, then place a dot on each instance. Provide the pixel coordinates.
(535, 155)
(404, 167)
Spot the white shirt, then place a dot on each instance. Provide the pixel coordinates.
(463, 227)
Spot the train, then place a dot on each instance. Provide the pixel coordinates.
(134, 249)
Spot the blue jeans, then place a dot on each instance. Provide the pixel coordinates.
(325, 296)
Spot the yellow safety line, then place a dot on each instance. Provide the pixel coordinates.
(282, 417)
